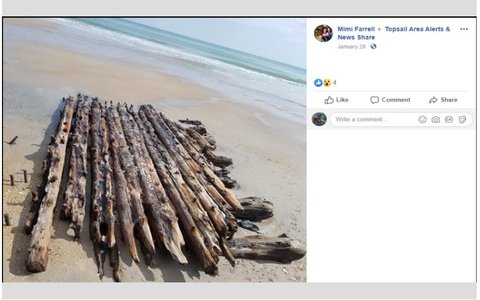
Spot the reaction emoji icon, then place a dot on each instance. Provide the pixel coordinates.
(327, 82)
(318, 82)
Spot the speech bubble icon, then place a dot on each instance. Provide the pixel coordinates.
(374, 99)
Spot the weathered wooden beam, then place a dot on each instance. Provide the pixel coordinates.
(200, 129)
(73, 208)
(31, 218)
(190, 122)
(200, 140)
(280, 249)
(170, 130)
(196, 225)
(101, 212)
(255, 209)
(204, 173)
(122, 196)
(200, 168)
(97, 209)
(13, 140)
(160, 213)
(207, 147)
(113, 252)
(37, 259)
(173, 147)
(130, 172)
(228, 182)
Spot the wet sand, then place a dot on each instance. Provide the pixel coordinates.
(268, 154)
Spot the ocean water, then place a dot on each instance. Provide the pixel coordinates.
(267, 84)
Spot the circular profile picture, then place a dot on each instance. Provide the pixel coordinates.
(319, 119)
(323, 33)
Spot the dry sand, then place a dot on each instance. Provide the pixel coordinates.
(268, 154)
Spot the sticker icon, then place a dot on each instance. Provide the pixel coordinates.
(318, 82)
(327, 82)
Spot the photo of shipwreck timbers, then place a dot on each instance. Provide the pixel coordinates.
(149, 182)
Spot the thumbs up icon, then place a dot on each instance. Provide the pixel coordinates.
(329, 100)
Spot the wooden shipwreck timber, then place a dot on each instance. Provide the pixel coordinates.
(151, 182)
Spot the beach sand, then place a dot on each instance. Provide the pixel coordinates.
(268, 154)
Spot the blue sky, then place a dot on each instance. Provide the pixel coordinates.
(278, 39)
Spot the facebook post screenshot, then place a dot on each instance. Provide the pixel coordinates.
(230, 151)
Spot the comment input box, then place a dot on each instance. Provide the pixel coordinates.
(401, 119)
